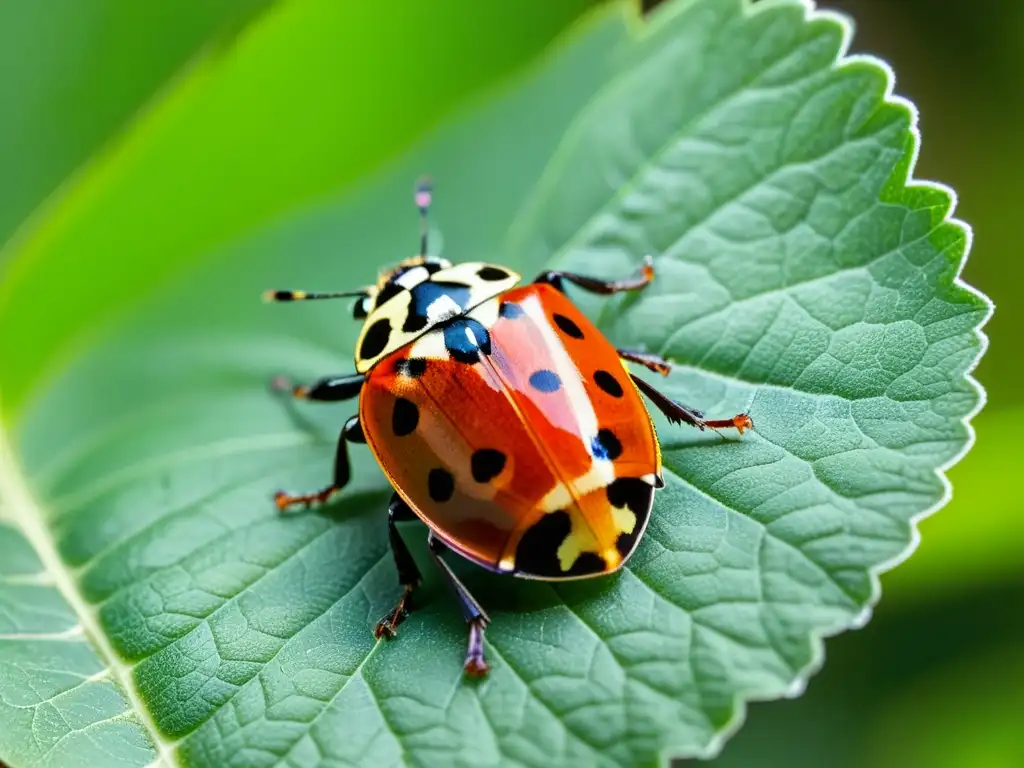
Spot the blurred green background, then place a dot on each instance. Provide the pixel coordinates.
(937, 677)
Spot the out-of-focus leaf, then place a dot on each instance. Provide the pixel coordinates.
(307, 100)
(72, 73)
(968, 715)
(979, 537)
(66, 695)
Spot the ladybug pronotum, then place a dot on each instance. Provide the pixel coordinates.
(504, 420)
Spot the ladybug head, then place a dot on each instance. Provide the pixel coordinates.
(419, 294)
(392, 280)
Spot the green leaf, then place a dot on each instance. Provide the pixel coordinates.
(67, 693)
(801, 277)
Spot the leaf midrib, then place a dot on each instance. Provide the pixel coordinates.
(24, 512)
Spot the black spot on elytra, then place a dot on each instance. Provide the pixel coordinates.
(404, 417)
(569, 328)
(608, 383)
(587, 563)
(412, 367)
(545, 380)
(511, 310)
(487, 464)
(466, 339)
(631, 492)
(606, 445)
(492, 274)
(636, 495)
(376, 339)
(440, 485)
(537, 551)
(425, 294)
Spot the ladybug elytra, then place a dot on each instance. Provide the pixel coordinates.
(503, 419)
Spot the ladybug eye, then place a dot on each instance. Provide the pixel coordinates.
(361, 308)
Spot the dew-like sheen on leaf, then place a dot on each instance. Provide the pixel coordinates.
(800, 278)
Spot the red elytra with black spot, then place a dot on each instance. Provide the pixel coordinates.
(504, 419)
(538, 458)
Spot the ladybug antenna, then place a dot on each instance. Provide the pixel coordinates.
(422, 197)
(284, 295)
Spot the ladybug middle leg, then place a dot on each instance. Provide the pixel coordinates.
(352, 432)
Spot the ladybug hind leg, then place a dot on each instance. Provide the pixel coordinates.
(352, 432)
(409, 577)
(475, 616)
(408, 574)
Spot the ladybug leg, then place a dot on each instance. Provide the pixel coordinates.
(329, 389)
(475, 616)
(636, 282)
(408, 574)
(676, 412)
(352, 432)
(648, 360)
(359, 309)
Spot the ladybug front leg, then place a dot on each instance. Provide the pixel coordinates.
(475, 616)
(352, 432)
(408, 573)
(642, 279)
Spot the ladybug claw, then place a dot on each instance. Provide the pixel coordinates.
(283, 501)
(476, 666)
(388, 626)
(385, 628)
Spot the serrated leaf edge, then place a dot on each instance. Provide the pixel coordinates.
(817, 638)
(651, 25)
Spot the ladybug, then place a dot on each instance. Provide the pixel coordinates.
(503, 419)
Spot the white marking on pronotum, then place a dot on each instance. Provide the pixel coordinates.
(412, 278)
(487, 313)
(430, 346)
(442, 308)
